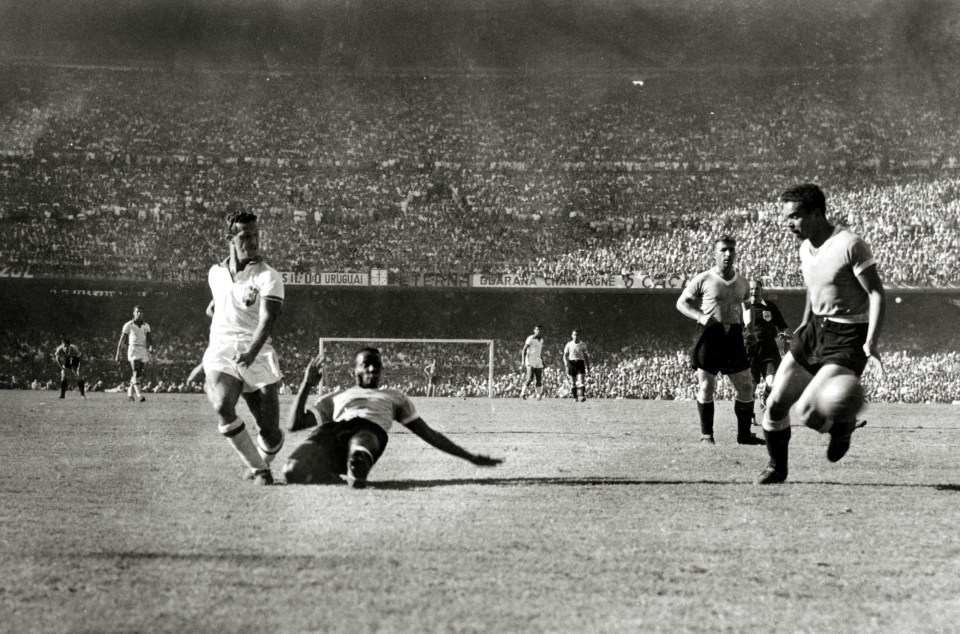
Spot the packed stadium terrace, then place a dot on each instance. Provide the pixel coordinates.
(645, 368)
(130, 173)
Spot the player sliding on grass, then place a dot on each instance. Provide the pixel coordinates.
(840, 329)
(353, 426)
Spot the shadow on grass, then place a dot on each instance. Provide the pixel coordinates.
(406, 485)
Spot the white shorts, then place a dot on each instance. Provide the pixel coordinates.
(138, 354)
(264, 371)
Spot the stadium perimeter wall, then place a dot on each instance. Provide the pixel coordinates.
(81, 307)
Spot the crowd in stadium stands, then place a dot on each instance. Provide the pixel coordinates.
(497, 175)
(645, 370)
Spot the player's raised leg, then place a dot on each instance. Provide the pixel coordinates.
(224, 391)
(789, 383)
(743, 407)
(364, 448)
(840, 428)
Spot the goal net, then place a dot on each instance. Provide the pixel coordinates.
(419, 367)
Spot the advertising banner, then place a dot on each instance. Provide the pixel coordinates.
(619, 281)
(325, 279)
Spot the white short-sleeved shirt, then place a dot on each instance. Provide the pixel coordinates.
(830, 274)
(69, 351)
(575, 351)
(237, 299)
(136, 334)
(381, 406)
(719, 297)
(534, 348)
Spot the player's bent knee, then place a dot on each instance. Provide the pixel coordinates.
(777, 409)
(744, 394)
(367, 440)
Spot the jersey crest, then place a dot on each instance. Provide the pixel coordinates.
(767, 315)
(250, 295)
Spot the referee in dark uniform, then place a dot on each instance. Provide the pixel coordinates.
(764, 326)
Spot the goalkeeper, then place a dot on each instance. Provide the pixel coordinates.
(764, 327)
(353, 426)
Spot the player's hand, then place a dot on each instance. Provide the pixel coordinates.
(485, 461)
(245, 359)
(707, 320)
(315, 369)
(873, 359)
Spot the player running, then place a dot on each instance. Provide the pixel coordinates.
(68, 358)
(353, 426)
(715, 299)
(137, 338)
(247, 302)
(840, 329)
(531, 360)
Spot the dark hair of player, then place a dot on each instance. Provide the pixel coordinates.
(725, 239)
(240, 217)
(368, 350)
(808, 195)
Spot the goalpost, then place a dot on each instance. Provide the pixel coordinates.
(486, 342)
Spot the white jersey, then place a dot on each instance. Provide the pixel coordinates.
(136, 335)
(381, 406)
(830, 274)
(534, 348)
(237, 299)
(575, 351)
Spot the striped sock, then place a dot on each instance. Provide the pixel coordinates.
(236, 434)
(269, 453)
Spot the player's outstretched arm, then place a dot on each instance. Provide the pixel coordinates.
(444, 444)
(120, 346)
(299, 418)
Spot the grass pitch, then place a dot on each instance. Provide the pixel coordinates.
(607, 516)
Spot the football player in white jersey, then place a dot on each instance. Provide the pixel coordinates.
(239, 361)
(353, 426)
(138, 338)
(577, 362)
(532, 363)
(716, 299)
(840, 330)
(68, 358)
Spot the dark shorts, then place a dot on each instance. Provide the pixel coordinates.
(761, 355)
(535, 374)
(72, 363)
(717, 350)
(322, 457)
(576, 368)
(823, 342)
